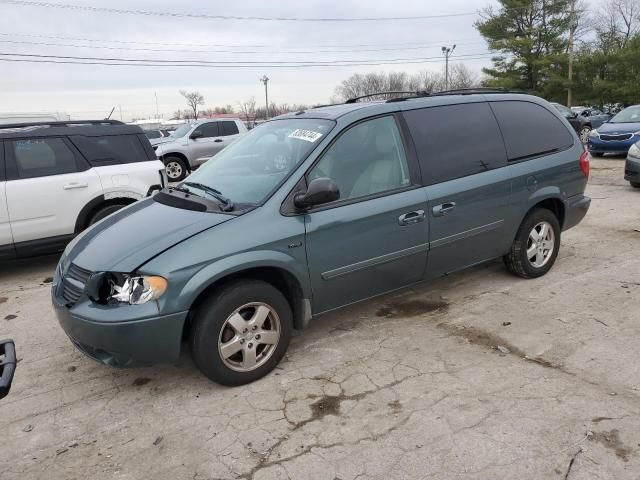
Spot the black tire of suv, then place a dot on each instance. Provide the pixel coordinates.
(211, 317)
(104, 212)
(183, 165)
(516, 260)
(635, 184)
(597, 154)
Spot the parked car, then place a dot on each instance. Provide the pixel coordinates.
(632, 166)
(58, 178)
(8, 363)
(582, 125)
(618, 134)
(191, 145)
(595, 116)
(317, 210)
(157, 136)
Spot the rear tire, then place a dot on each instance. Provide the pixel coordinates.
(241, 332)
(584, 133)
(635, 184)
(104, 212)
(536, 245)
(176, 168)
(597, 154)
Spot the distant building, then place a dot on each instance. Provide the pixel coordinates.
(33, 117)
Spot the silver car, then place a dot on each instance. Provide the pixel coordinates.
(191, 145)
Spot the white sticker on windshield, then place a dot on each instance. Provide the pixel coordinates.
(307, 135)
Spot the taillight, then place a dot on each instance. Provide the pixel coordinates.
(584, 163)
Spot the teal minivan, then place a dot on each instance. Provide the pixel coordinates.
(316, 210)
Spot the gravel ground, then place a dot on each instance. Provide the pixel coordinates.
(478, 375)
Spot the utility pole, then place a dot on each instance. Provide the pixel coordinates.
(265, 80)
(156, 94)
(572, 28)
(447, 51)
(120, 108)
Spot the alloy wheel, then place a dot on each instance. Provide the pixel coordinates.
(174, 170)
(540, 244)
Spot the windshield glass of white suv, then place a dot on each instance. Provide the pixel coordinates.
(249, 169)
(181, 131)
(628, 115)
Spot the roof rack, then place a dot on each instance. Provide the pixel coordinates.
(475, 90)
(62, 123)
(355, 99)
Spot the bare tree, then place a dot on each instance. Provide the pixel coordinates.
(461, 77)
(248, 111)
(194, 99)
(617, 21)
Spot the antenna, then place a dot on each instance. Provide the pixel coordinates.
(110, 113)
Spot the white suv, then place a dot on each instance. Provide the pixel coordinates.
(189, 146)
(58, 178)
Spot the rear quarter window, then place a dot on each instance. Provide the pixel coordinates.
(530, 130)
(455, 141)
(110, 149)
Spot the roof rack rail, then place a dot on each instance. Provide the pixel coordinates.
(61, 123)
(355, 99)
(476, 90)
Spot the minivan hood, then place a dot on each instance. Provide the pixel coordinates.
(619, 127)
(132, 236)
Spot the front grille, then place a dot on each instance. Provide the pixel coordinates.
(610, 138)
(73, 284)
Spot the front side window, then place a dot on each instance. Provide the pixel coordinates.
(42, 157)
(249, 169)
(367, 159)
(209, 130)
(110, 149)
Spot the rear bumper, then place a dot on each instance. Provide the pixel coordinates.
(632, 170)
(124, 344)
(576, 209)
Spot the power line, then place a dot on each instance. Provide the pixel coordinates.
(121, 11)
(174, 44)
(164, 50)
(227, 62)
(201, 65)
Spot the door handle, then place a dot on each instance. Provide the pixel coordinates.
(411, 218)
(218, 140)
(72, 185)
(444, 209)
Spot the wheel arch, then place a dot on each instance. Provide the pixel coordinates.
(87, 212)
(550, 200)
(180, 155)
(280, 276)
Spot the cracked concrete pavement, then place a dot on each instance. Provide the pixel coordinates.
(407, 386)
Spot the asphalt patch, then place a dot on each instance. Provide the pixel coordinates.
(140, 381)
(10, 317)
(3, 299)
(611, 440)
(410, 308)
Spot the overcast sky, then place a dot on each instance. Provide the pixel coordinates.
(86, 91)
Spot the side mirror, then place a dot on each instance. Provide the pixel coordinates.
(195, 135)
(573, 115)
(321, 190)
(7, 366)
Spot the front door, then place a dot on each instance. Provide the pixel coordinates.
(206, 146)
(47, 186)
(374, 238)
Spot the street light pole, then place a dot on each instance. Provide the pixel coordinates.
(447, 51)
(265, 80)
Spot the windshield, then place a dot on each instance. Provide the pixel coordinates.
(628, 115)
(181, 131)
(250, 168)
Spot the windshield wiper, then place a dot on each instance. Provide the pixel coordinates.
(227, 205)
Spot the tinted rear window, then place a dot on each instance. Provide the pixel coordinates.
(228, 128)
(530, 130)
(153, 134)
(110, 149)
(454, 141)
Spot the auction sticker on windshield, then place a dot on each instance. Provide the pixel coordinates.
(307, 135)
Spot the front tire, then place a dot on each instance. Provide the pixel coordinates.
(597, 154)
(241, 332)
(635, 184)
(536, 245)
(176, 168)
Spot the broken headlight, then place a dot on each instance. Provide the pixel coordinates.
(106, 287)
